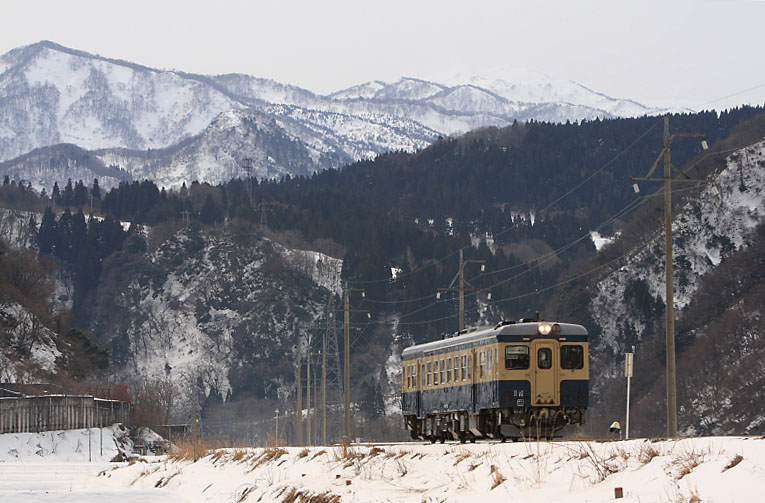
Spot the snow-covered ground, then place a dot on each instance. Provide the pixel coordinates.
(63, 466)
(712, 469)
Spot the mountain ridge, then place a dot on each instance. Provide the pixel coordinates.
(51, 94)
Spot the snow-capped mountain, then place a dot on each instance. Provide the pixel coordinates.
(51, 95)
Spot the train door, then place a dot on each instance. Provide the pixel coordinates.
(419, 381)
(471, 374)
(545, 364)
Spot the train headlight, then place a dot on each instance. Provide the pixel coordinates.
(544, 329)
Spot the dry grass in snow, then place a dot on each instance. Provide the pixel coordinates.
(704, 469)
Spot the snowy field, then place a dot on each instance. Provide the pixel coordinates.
(63, 466)
(714, 469)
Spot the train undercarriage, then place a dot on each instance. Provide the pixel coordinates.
(530, 423)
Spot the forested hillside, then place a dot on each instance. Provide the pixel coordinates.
(522, 199)
(619, 295)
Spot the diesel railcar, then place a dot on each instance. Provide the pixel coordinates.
(518, 379)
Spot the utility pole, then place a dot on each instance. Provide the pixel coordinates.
(308, 387)
(347, 341)
(669, 269)
(628, 368)
(460, 277)
(196, 427)
(324, 378)
(347, 362)
(276, 430)
(299, 415)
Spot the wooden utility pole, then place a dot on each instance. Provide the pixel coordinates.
(347, 362)
(460, 279)
(669, 269)
(324, 384)
(347, 341)
(196, 427)
(308, 388)
(299, 415)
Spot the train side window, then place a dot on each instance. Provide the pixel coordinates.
(517, 357)
(489, 360)
(464, 367)
(470, 359)
(456, 368)
(448, 370)
(443, 370)
(544, 358)
(414, 376)
(435, 373)
(572, 357)
(430, 372)
(482, 364)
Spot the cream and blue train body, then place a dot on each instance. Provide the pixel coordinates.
(517, 379)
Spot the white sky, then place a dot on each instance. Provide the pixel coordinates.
(681, 53)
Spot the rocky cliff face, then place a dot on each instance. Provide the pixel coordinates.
(216, 311)
(710, 233)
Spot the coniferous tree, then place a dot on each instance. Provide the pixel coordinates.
(56, 194)
(63, 243)
(46, 236)
(79, 235)
(67, 197)
(209, 213)
(96, 190)
(80, 195)
(32, 231)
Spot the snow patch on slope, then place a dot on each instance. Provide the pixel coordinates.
(705, 231)
(324, 270)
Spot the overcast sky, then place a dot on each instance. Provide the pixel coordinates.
(680, 53)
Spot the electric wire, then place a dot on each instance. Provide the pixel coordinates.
(550, 255)
(569, 192)
(573, 189)
(630, 206)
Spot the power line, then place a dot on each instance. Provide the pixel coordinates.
(696, 107)
(634, 203)
(569, 192)
(536, 262)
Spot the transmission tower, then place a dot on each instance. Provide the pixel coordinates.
(247, 168)
(331, 373)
